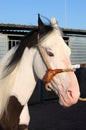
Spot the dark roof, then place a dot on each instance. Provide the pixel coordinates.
(73, 31)
(18, 28)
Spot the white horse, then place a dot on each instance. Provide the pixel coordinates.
(42, 54)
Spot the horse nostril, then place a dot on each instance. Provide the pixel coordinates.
(70, 93)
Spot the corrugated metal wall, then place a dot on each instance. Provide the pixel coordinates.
(78, 49)
(3, 45)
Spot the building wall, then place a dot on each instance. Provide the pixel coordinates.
(3, 45)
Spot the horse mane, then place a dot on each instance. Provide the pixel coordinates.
(29, 40)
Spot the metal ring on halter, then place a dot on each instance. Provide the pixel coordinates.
(48, 88)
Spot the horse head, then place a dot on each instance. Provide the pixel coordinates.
(52, 63)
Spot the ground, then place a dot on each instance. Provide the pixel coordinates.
(51, 116)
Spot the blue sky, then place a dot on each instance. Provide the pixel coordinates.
(69, 13)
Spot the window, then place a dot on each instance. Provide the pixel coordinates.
(12, 43)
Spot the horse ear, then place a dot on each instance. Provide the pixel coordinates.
(41, 25)
(54, 23)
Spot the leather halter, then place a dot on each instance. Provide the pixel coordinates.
(50, 73)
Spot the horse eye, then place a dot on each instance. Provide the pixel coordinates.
(50, 53)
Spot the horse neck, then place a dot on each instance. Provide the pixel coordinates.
(25, 81)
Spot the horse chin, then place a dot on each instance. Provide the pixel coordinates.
(62, 100)
(65, 99)
(63, 103)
